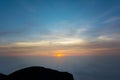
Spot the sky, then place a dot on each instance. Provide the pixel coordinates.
(59, 27)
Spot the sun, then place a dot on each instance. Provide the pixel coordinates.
(59, 55)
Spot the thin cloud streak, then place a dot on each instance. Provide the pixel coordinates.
(112, 20)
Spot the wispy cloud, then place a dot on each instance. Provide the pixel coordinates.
(68, 47)
(71, 39)
(112, 20)
(110, 37)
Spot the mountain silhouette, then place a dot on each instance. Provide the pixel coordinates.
(37, 73)
(3, 77)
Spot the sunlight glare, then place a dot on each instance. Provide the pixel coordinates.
(59, 55)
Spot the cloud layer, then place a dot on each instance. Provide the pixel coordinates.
(70, 27)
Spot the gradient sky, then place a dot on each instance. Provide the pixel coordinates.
(69, 27)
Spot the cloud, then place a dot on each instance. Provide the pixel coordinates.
(110, 30)
(104, 38)
(73, 47)
(71, 42)
(30, 44)
(112, 20)
(110, 37)
(48, 43)
(71, 39)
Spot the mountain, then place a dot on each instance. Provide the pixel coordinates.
(3, 77)
(37, 73)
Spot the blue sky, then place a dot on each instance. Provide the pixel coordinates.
(65, 26)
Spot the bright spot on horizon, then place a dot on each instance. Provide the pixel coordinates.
(59, 55)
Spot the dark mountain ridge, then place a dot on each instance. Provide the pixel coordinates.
(37, 73)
